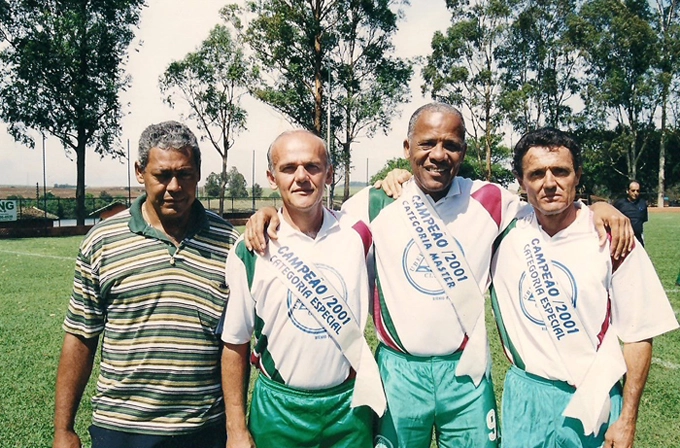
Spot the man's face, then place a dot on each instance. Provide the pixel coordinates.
(170, 180)
(633, 191)
(300, 170)
(549, 179)
(436, 151)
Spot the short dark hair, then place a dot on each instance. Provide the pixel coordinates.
(548, 138)
(167, 135)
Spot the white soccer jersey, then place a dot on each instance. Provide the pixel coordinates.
(585, 274)
(412, 313)
(291, 345)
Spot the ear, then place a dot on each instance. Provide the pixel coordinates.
(329, 175)
(272, 180)
(139, 174)
(518, 178)
(407, 150)
(579, 172)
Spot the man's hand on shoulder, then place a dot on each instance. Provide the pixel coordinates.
(391, 184)
(254, 236)
(66, 439)
(623, 236)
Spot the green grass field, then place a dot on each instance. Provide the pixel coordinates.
(35, 283)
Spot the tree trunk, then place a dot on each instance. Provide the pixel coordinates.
(661, 189)
(318, 83)
(80, 176)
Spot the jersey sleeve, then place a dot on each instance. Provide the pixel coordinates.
(239, 318)
(86, 313)
(357, 205)
(640, 307)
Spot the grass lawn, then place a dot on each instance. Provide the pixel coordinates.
(35, 282)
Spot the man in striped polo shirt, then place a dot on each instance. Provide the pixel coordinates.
(306, 300)
(151, 280)
(562, 304)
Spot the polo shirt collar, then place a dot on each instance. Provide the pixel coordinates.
(138, 225)
(454, 190)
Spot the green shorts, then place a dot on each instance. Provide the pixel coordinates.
(532, 413)
(282, 417)
(424, 394)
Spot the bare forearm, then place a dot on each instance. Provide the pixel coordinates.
(234, 374)
(73, 373)
(638, 356)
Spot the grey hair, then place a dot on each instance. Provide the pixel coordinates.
(167, 135)
(270, 162)
(432, 107)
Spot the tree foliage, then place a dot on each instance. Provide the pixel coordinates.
(63, 72)
(462, 68)
(238, 187)
(299, 44)
(211, 81)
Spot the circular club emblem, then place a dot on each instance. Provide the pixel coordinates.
(383, 442)
(418, 272)
(298, 312)
(526, 297)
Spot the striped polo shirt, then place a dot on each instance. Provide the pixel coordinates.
(158, 306)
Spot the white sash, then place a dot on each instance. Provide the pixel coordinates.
(306, 282)
(446, 260)
(591, 370)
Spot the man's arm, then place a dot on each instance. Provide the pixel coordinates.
(623, 236)
(75, 367)
(638, 356)
(234, 388)
(265, 219)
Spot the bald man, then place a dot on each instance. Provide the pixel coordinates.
(306, 299)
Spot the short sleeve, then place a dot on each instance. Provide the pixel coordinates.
(86, 313)
(239, 318)
(640, 307)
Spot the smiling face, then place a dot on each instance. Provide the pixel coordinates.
(436, 150)
(299, 170)
(549, 179)
(170, 178)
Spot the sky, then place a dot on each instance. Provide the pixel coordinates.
(168, 30)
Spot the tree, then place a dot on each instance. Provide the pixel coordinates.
(237, 184)
(62, 73)
(462, 68)
(369, 84)
(299, 43)
(668, 31)
(214, 184)
(540, 65)
(257, 190)
(620, 49)
(212, 80)
(397, 162)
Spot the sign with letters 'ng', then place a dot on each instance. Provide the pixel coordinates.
(8, 210)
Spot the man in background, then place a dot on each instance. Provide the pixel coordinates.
(150, 280)
(635, 208)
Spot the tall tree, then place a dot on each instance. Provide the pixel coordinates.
(63, 69)
(369, 83)
(667, 26)
(299, 44)
(620, 48)
(212, 80)
(463, 70)
(540, 65)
